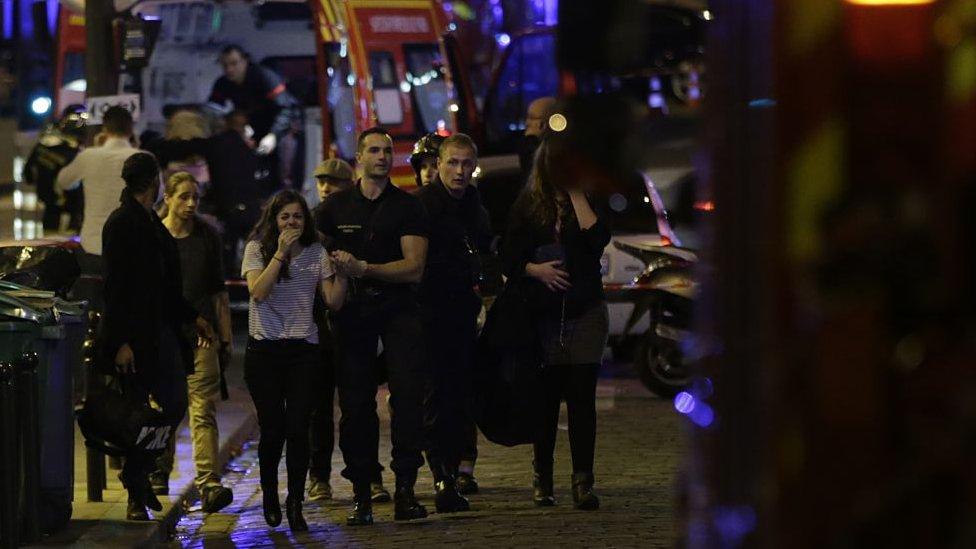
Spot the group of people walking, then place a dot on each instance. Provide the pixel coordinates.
(376, 284)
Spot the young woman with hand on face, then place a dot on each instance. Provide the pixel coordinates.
(284, 266)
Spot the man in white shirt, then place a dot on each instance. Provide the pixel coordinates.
(101, 170)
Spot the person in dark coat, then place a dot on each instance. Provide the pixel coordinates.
(144, 313)
(459, 232)
(554, 245)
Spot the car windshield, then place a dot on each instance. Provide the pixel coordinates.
(340, 99)
(429, 91)
(529, 73)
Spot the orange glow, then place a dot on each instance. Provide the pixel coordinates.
(705, 206)
(890, 2)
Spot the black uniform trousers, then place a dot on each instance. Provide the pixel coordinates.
(322, 427)
(451, 326)
(358, 333)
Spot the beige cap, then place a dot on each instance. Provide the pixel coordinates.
(335, 168)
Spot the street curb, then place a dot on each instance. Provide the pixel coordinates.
(165, 525)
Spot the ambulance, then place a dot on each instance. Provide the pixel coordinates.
(352, 64)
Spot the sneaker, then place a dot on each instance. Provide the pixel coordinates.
(466, 484)
(319, 490)
(160, 483)
(378, 493)
(216, 498)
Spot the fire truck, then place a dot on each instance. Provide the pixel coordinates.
(352, 64)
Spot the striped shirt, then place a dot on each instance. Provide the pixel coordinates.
(287, 311)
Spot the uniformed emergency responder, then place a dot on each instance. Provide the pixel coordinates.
(56, 147)
(424, 158)
(380, 234)
(260, 93)
(459, 232)
(331, 176)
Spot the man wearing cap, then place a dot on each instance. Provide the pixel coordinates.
(331, 176)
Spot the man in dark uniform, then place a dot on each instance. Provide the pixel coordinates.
(260, 94)
(331, 175)
(380, 234)
(459, 232)
(56, 147)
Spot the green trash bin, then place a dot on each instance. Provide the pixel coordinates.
(53, 331)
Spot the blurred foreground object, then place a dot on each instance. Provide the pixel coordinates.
(840, 298)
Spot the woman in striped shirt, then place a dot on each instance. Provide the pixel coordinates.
(284, 266)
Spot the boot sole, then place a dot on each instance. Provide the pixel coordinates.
(453, 509)
(359, 522)
(588, 506)
(409, 517)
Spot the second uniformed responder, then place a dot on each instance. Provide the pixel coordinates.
(460, 233)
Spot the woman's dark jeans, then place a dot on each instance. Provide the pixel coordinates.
(577, 385)
(280, 376)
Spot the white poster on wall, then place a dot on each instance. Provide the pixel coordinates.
(97, 106)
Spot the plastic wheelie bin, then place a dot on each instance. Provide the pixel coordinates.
(41, 339)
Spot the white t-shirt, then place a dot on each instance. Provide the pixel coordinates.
(100, 169)
(287, 311)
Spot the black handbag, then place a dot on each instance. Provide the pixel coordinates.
(508, 371)
(511, 322)
(116, 419)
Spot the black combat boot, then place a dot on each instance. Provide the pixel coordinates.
(583, 496)
(447, 498)
(405, 504)
(362, 512)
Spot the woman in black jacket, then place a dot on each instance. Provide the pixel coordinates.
(554, 245)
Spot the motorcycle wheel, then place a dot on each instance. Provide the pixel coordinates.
(659, 365)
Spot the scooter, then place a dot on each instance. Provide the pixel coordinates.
(665, 291)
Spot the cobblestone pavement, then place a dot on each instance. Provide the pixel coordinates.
(639, 445)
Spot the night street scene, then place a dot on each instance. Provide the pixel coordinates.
(488, 273)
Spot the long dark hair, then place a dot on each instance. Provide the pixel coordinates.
(266, 231)
(545, 201)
